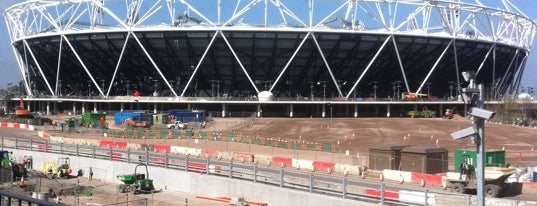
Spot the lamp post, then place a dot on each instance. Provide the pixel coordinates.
(155, 80)
(173, 89)
(60, 87)
(375, 87)
(127, 82)
(324, 88)
(311, 90)
(451, 89)
(89, 88)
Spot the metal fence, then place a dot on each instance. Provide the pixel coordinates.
(344, 186)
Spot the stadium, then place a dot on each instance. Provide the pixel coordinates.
(273, 58)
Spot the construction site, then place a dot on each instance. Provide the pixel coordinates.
(351, 141)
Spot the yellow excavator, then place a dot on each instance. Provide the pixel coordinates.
(63, 170)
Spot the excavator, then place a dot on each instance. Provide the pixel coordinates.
(20, 111)
(61, 170)
(450, 112)
(131, 123)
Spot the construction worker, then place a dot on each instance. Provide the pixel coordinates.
(30, 162)
(25, 161)
(90, 174)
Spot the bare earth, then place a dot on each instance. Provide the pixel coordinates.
(355, 135)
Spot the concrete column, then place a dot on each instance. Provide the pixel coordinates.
(28, 106)
(223, 110)
(48, 108)
(355, 110)
(441, 110)
(415, 107)
(83, 107)
(258, 110)
(130, 106)
(189, 106)
(388, 110)
(122, 105)
(323, 113)
(74, 108)
(155, 108)
(291, 110)
(94, 107)
(55, 107)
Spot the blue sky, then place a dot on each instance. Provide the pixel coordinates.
(10, 73)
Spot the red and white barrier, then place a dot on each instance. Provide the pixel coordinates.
(17, 126)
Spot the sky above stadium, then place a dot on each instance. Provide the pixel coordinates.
(10, 71)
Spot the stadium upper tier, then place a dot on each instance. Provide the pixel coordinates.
(293, 48)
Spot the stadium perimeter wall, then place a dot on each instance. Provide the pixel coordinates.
(194, 183)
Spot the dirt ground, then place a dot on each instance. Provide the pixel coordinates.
(355, 135)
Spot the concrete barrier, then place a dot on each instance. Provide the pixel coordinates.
(351, 169)
(397, 175)
(244, 157)
(324, 166)
(416, 197)
(284, 161)
(162, 148)
(263, 159)
(435, 180)
(303, 164)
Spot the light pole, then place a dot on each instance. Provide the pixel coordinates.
(311, 90)
(155, 80)
(324, 88)
(127, 82)
(451, 89)
(173, 89)
(89, 88)
(375, 87)
(60, 87)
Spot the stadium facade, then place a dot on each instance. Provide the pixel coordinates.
(218, 53)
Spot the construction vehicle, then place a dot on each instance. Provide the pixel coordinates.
(131, 123)
(63, 170)
(20, 111)
(408, 96)
(18, 169)
(176, 125)
(137, 182)
(494, 179)
(450, 113)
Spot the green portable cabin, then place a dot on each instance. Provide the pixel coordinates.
(493, 158)
(161, 119)
(93, 119)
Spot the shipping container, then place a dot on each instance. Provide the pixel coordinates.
(387, 156)
(120, 117)
(493, 158)
(187, 115)
(424, 159)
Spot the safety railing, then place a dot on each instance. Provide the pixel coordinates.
(339, 185)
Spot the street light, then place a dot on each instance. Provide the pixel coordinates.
(311, 90)
(324, 88)
(451, 89)
(375, 87)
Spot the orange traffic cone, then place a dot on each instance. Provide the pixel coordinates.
(21, 183)
(520, 157)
